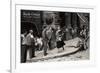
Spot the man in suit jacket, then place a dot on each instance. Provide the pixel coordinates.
(30, 44)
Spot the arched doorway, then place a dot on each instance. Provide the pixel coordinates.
(26, 26)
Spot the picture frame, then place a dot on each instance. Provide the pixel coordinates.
(17, 6)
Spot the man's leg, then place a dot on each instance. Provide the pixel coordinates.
(30, 52)
(85, 45)
(45, 48)
(33, 51)
(23, 60)
(63, 47)
(25, 54)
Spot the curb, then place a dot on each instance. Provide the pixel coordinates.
(54, 56)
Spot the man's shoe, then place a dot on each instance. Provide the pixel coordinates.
(45, 54)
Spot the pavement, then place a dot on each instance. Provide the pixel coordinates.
(69, 49)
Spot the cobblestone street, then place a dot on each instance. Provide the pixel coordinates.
(81, 55)
(70, 53)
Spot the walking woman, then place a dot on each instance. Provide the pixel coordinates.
(60, 42)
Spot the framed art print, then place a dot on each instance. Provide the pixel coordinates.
(51, 36)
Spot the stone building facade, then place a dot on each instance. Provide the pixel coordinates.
(70, 22)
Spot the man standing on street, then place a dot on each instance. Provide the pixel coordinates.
(23, 47)
(30, 44)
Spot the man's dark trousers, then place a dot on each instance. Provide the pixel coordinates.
(23, 53)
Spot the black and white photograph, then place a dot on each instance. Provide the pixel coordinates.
(53, 36)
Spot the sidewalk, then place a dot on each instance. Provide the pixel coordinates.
(69, 48)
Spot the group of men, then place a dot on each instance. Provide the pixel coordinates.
(84, 36)
(27, 44)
